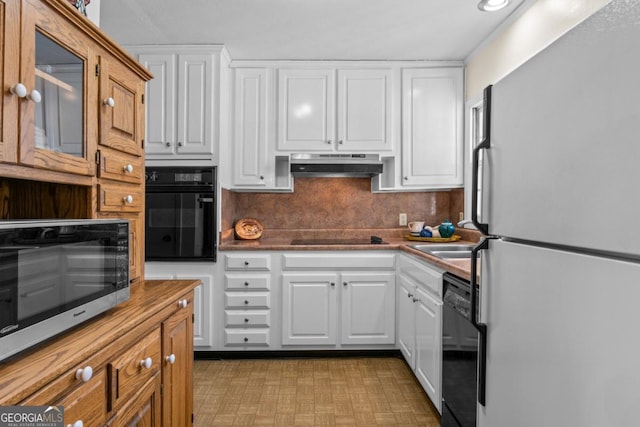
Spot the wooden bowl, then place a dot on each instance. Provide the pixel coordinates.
(248, 229)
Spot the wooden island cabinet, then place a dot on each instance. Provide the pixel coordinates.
(129, 366)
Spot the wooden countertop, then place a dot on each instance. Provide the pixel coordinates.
(459, 267)
(151, 301)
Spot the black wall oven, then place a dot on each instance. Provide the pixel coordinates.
(180, 217)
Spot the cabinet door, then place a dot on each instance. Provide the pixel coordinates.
(432, 127)
(306, 109)
(160, 103)
(121, 110)
(9, 72)
(250, 166)
(144, 409)
(368, 308)
(364, 110)
(56, 117)
(309, 308)
(195, 122)
(177, 381)
(407, 320)
(428, 345)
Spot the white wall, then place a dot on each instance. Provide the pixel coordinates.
(511, 46)
(93, 11)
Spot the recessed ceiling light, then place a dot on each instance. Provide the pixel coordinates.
(492, 5)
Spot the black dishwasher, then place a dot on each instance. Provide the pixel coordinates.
(459, 355)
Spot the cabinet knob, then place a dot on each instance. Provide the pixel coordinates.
(183, 303)
(179, 144)
(78, 423)
(246, 320)
(171, 358)
(19, 90)
(246, 283)
(344, 283)
(246, 302)
(110, 102)
(406, 178)
(328, 141)
(246, 339)
(246, 263)
(35, 96)
(168, 144)
(128, 199)
(261, 178)
(146, 363)
(409, 295)
(415, 300)
(340, 142)
(84, 374)
(128, 168)
(333, 284)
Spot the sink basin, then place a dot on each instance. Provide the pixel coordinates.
(446, 251)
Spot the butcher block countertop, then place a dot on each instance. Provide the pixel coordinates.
(393, 240)
(151, 301)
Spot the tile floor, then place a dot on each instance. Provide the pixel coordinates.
(309, 392)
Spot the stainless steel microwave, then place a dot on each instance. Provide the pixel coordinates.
(55, 274)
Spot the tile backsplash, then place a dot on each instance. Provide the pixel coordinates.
(339, 203)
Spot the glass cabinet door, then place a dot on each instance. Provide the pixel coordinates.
(54, 71)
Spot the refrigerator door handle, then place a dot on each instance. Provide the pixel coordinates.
(484, 144)
(481, 327)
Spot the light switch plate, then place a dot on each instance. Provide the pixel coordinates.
(402, 219)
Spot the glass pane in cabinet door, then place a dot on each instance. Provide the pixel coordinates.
(59, 115)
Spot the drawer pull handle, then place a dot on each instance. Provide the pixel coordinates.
(109, 102)
(246, 320)
(246, 283)
(171, 358)
(183, 303)
(128, 168)
(246, 339)
(246, 263)
(128, 199)
(246, 302)
(84, 374)
(78, 423)
(146, 363)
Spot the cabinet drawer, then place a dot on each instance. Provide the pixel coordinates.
(120, 198)
(82, 401)
(246, 337)
(244, 282)
(421, 273)
(247, 262)
(246, 300)
(247, 318)
(120, 167)
(339, 261)
(127, 373)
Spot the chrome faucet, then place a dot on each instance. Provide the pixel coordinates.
(464, 222)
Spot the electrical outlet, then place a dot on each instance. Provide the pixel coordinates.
(460, 216)
(402, 219)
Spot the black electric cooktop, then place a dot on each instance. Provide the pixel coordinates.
(374, 240)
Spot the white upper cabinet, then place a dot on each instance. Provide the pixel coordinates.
(315, 114)
(365, 110)
(250, 164)
(306, 110)
(432, 127)
(183, 100)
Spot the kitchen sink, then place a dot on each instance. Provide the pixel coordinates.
(446, 251)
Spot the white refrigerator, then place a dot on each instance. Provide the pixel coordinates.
(560, 205)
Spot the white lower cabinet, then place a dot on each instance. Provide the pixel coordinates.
(420, 323)
(202, 300)
(338, 299)
(365, 303)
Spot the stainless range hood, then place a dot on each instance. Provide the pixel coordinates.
(336, 165)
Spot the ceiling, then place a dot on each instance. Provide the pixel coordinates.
(309, 29)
